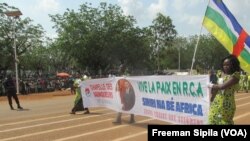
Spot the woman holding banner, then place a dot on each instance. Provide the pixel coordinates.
(222, 100)
(78, 102)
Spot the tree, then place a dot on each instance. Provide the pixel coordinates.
(28, 37)
(209, 53)
(178, 54)
(163, 35)
(100, 38)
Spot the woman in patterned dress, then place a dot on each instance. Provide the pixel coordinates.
(78, 102)
(223, 107)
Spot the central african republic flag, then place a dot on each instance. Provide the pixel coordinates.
(221, 23)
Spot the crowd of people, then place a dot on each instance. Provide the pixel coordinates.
(29, 86)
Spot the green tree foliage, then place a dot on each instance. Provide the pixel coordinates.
(100, 38)
(208, 56)
(178, 53)
(27, 36)
(163, 35)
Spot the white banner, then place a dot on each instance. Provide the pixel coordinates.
(175, 99)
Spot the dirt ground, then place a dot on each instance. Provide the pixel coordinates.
(39, 96)
(46, 117)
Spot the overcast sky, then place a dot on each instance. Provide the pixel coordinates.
(187, 15)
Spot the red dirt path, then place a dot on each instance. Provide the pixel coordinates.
(39, 96)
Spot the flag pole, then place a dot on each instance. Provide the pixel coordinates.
(195, 50)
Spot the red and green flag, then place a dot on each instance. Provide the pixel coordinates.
(221, 23)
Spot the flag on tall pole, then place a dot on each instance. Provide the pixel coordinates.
(222, 24)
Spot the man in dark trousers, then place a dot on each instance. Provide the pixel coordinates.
(10, 89)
